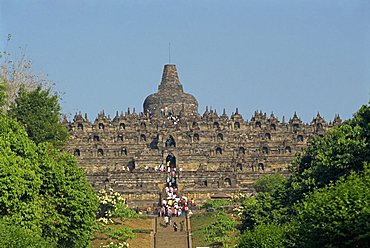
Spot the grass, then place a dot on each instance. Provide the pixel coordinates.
(198, 223)
(140, 226)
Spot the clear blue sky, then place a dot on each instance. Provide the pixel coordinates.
(275, 56)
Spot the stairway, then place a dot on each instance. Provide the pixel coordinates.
(166, 237)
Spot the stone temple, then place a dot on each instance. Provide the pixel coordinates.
(215, 153)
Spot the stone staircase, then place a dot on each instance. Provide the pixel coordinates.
(165, 237)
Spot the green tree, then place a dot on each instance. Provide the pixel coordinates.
(342, 150)
(221, 230)
(2, 96)
(39, 111)
(16, 236)
(325, 202)
(43, 190)
(70, 203)
(263, 236)
(270, 183)
(16, 73)
(20, 178)
(337, 215)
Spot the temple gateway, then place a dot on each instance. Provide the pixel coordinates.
(215, 153)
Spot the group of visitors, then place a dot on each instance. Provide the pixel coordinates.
(173, 204)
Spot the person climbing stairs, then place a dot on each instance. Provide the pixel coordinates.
(173, 230)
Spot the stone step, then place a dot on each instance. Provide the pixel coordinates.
(167, 237)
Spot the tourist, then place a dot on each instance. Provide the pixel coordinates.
(166, 219)
(170, 216)
(175, 226)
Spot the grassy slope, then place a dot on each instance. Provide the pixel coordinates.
(198, 223)
(141, 226)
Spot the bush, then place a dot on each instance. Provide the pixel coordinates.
(337, 215)
(122, 234)
(220, 231)
(263, 236)
(43, 190)
(113, 205)
(214, 205)
(270, 183)
(16, 236)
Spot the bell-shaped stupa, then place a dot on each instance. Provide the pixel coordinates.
(170, 97)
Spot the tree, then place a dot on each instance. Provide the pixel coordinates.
(16, 73)
(42, 190)
(221, 230)
(263, 236)
(326, 159)
(16, 236)
(2, 97)
(270, 183)
(325, 202)
(71, 204)
(20, 179)
(337, 215)
(39, 111)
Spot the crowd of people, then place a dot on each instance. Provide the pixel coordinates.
(173, 204)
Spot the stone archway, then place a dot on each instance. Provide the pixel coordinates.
(100, 152)
(77, 152)
(80, 126)
(227, 182)
(170, 142)
(218, 150)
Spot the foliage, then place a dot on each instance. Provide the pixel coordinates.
(43, 190)
(263, 236)
(2, 96)
(16, 236)
(123, 212)
(147, 231)
(269, 183)
(325, 202)
(20, 178)
(198, 223)
(39, 111)
(262, 210)
(342, 150)
(337, 215)
(71, 203)
(113, 205)
(217, 204)
(220, 231)
(122, 234)
(16, 73)
(239, 197)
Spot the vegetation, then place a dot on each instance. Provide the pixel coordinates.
(16, 74)
(325, 203)
(39, 112)
(15, 236)
(214, 205)
(216, 227)
(45, 199)
(113, 206)
(222, 230)
(43, 190)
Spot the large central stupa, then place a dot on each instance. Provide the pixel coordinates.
(170, 97)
